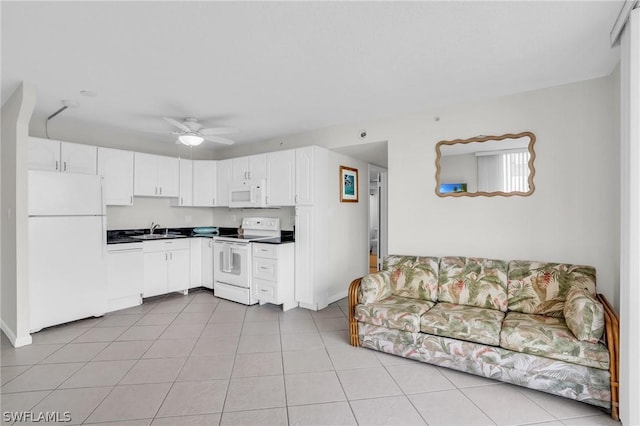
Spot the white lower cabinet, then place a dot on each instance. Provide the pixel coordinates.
(124, 275)
(196, 262)
(273, 274)
(166, 266)
(207, 263)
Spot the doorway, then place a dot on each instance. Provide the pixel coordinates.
(378, 202)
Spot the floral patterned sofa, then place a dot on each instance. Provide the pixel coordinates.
(534, 324)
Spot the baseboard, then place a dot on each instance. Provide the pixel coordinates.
(15, 341)
(338, 296)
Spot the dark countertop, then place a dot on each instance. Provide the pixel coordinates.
(125, 236)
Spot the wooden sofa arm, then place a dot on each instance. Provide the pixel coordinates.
(612, 340)
(353, 301)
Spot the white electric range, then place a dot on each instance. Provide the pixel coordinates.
(232, 257)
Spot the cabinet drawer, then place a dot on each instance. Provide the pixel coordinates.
(265, 269)
(265, 250)
(265, 290)
(166, 245)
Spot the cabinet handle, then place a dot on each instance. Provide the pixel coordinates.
(214, 201)
(56, 164)
(263, 267)
(160, 190)
(65, 166)
(264, 290)
(166, 257)
(131, 199)
(156, 191)
(181, 201)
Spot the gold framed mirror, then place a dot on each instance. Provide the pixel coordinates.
(486, 166)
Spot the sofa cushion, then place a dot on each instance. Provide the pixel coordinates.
(584, 315)
(541, 288)
(395, 312)
(374, 287)
(470, 323)
(551, 338)
(415, 277)
(474, 282)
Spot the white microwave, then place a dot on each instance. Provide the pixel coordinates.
(248, 193)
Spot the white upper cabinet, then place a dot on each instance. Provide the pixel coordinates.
(52, 155)
(304, 171)
(78, 158)
(223, 180)
(281, 176)
(43, 154)
(204, 183)
(156, 175)
(251, 167)
(185, 197)
(116, 167)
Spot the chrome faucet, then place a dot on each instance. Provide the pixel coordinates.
(154, 226)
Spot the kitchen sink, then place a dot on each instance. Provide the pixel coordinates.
(157, 236)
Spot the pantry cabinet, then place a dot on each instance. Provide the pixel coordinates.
(166, 266)
(305, 174)
(57, 156)
(155, 175)
(281, 178)
(116, 168)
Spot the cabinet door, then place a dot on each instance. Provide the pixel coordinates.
(116, 166)
(304, 285)
(43, 154)
(239, 169)
(78, 158)
(281, 167)
(168, 176)
(304, 176)
(178, 270)
(145, 182)
(204, 180)
(195, 244)
(155, 273)
(207, 263)
(224, 178)
(186, 182)
(258, 166)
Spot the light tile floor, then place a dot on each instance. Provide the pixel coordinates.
(200, 360)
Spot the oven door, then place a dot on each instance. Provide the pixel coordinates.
(232, 263)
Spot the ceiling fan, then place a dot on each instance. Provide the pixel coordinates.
(193, 134)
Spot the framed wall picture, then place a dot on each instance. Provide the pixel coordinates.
(348, 184)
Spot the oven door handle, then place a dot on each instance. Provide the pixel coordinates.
(230, 259)
(227, 264)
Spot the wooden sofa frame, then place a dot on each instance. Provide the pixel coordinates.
(611, 339)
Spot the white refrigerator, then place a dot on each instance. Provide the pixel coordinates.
(67, 238)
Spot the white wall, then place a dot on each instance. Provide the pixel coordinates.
(159, 210)
(348, 228)
(572, 215)
(16, 113)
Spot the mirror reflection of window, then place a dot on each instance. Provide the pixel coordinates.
(486, 166)
(506, 171)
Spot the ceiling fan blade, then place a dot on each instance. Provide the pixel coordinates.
(178, 124)
(217, 131)
(218, 139)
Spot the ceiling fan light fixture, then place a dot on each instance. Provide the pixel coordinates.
(190, 140)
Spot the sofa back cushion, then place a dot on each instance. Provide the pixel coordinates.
(415, 277)
(584, 315)
(474, 282)
(542, 287)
